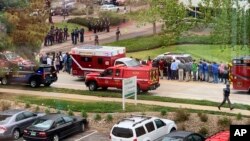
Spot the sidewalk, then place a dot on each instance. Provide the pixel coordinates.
(128, 30)
(94, 98)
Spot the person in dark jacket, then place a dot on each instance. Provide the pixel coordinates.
(226, 93)
(82, 35)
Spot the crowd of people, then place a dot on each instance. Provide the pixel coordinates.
(61, 61)
(192, 70)
(56, 35)
(99, 25)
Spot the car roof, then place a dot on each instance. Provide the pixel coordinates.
(131, 122)
(53, 116)
(181, 134)
(12, 111)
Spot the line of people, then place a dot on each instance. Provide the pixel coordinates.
(202, 71)
(56, 35)
(99, 25)
(61, 61)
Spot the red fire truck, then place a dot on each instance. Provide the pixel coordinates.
(240, 72)
(90, 58)
(147, 77)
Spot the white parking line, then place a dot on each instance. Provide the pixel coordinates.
(86, 136)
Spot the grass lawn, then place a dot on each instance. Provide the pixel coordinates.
(70, 26)
(208, 52)
(102, 107)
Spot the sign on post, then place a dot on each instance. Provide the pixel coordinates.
(129, 89)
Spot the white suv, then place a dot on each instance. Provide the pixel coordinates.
(141, 128)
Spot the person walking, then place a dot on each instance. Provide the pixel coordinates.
(118, 34)
(96, 40)
(226, 94)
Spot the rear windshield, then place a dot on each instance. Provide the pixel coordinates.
(122, 132)
(4, 119)
(43, 123)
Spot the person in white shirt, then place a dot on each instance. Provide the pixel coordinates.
(49, 61)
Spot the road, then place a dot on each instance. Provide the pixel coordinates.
(170, 88)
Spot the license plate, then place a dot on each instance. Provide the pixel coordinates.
(33, 133)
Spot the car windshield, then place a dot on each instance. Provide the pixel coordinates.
(43, 123)
(4, 119)
(11, 56)
(172, 139)
(122, 132)
(132, 63)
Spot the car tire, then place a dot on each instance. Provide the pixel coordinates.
(55, 138)
(82, 127)
(47, 84)
(34, 83)
(4, 81)
(16, 134)
(172, 130)
(138, 89)
(92, 86)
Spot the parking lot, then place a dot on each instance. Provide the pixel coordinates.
(89, 135)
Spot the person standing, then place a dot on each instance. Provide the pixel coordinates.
(57, 63)
(181, 68)
(118, 33)
(73, 37)
(82, 35)
(215, 70)
(194, 70)
(161, 67)
(76, 36)
(226, 94)
(174, 68)
(65, 33)
(96, 40)
(187, 70)
(49, 61)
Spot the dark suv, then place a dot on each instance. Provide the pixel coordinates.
(34, 76)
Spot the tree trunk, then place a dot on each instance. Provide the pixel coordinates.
(154, 28)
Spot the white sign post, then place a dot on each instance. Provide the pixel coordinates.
(129, 89)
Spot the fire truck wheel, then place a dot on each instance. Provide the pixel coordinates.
(138, 89)
(92, 86)
(145, 91)
(47, 84)
(104, 88)
(4, 81)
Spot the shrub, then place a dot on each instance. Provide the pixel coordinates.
(182, 127)
(109, 118)
(203, 117)
(47, 111)
(163, 112)
(84, 114)
(182, 115)
(239, 116)
(37, 109)
(248, 121)
(224, 122)
(27, 105)
(97, 117)
(70, 112)
(78, 20)
(5, 105)
(203, 131)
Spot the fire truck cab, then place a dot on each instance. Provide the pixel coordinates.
(147, 77)
(90, 58)
(240, 72)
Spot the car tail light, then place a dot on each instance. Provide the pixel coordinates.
(2, 129)
(135, 140)
(42, 134)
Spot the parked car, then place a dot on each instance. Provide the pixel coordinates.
(183, 136)
(109, 7)
(174, 56)
(220, 136)
(33, 76)
(54, 127)
(13, 122)
(141, 128)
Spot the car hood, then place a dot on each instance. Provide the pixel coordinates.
(93, 74)
(167, 121)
